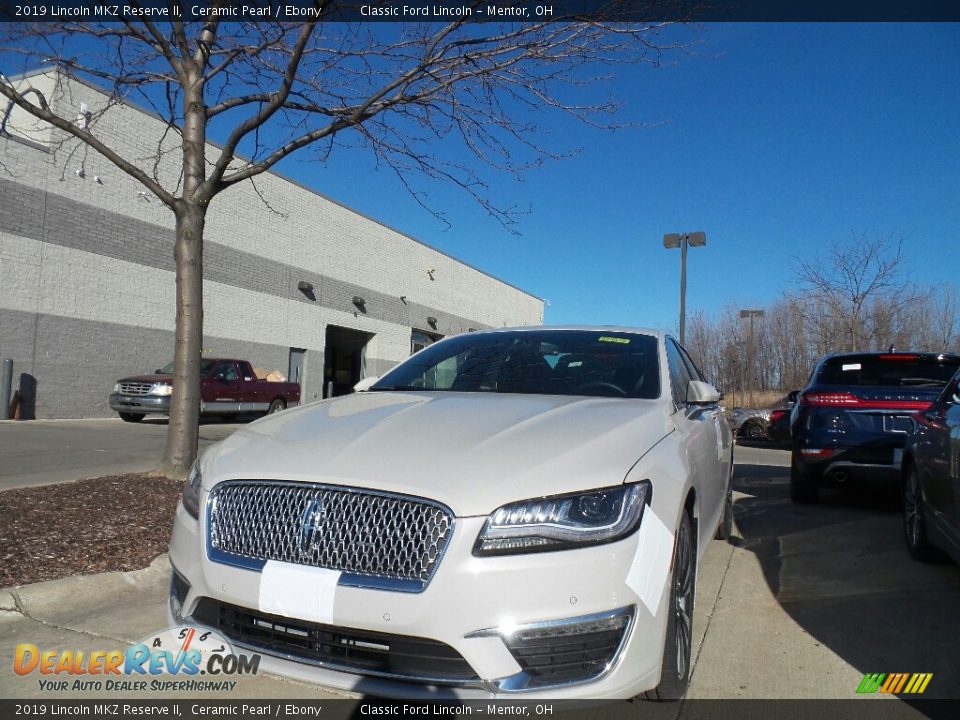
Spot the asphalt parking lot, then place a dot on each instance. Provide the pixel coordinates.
(46, 451)
(801, 603)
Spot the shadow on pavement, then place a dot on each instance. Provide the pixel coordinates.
(840, 569)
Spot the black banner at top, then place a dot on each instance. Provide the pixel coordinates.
(61, 11)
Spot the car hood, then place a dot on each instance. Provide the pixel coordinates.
(470, 451)
(153, 378)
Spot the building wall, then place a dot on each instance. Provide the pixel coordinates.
(87, 269)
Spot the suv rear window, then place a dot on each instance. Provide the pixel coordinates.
(889, 370)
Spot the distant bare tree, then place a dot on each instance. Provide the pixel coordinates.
(856, 292)
(272, 88)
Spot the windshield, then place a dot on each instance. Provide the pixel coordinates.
(205, 366)
(550, 362)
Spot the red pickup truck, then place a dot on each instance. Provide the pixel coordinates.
(227, 386)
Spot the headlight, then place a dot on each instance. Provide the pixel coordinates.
(191, 491)
(116, 388)
(161, 389)
(564, 521)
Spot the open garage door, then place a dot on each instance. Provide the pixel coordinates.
(344, 359)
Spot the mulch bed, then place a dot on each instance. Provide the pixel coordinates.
(120, 522)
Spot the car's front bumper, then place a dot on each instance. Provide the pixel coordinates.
(473, 605)
(121, 402)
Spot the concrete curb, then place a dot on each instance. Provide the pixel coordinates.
(89, 595)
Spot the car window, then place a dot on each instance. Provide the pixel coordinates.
(889, 370)
(692, 368)
(679, 374)
(551, 362)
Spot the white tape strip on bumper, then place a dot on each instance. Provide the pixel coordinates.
(650, 571)
(297, 591)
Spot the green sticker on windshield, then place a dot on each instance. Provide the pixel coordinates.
(607, 338)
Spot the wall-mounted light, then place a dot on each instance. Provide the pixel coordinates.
(403, 299)
(304, 286)
(432, 322)
(471, 329)
(358, 301)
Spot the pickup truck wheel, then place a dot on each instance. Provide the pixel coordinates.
(131, 417)
(276, 406)
(803, 485)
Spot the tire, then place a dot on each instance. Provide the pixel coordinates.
(752, 430)
(678, 647)
(914, 519)
(131, 417)
(725, 528)
(804, 488)
(276, 406)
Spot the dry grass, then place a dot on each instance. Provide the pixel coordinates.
(755, 398)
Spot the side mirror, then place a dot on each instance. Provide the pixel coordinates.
(366, 383)
(701, 393)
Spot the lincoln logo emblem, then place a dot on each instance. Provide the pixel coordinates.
(310, 527)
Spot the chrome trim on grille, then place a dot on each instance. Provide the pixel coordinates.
(522, 681)
(376, 539)
(135, 388)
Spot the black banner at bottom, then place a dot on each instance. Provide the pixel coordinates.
(874, 708)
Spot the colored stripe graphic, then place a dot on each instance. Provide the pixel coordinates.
(871, 682)
(895, 683)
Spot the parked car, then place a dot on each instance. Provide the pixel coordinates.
(227, 386)
(508, 513)
(853, 417)
(931, 477)
(750, 423)
(778, 423)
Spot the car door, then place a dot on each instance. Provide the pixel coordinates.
(702, 442)
(222, 391)
(938, 457)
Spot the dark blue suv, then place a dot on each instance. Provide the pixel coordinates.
(852, 418)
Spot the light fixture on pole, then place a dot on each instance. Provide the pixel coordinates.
(682, 240)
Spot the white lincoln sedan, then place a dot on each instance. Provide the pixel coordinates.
(514, 513)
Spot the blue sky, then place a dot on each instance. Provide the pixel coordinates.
(775, 139)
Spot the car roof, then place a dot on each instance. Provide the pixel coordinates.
(659, 334)
(918, 353)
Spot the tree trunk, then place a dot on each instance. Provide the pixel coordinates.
(191, 213)
(185, 404)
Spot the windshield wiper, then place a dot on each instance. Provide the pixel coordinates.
(922, 382)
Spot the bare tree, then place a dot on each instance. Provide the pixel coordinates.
(271, 89)
(856, 292)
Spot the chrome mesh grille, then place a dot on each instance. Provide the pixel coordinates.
(135, 388)
(354, 531)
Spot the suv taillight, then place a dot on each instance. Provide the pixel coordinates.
(847, 399)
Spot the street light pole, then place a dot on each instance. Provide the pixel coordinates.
(751, 314)
(682, 240)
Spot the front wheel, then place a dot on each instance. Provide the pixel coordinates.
(914, 520)
(752, 430)
(678, 650)
(131, 417)
(276, 406)
(725, 528)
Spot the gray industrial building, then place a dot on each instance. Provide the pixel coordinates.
(293, 280)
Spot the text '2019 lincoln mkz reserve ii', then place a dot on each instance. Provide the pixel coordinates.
(508, 513)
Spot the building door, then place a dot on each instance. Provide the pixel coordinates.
(344, 357)
(295, 371)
